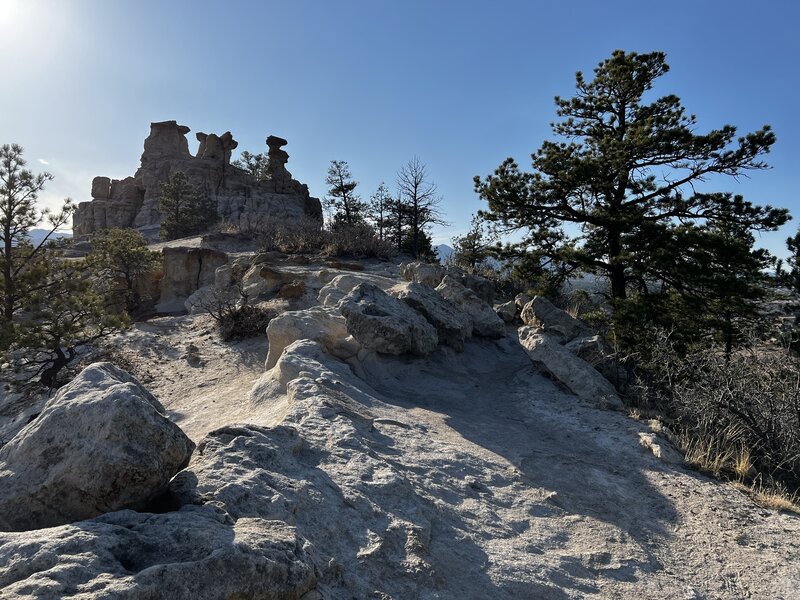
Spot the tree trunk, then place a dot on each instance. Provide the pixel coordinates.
(616, 272)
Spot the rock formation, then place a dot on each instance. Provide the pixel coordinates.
(239, 196)
(101, 444)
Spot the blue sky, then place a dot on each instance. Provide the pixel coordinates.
(462, 85)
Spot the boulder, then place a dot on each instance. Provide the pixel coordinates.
(101, 444)
(196, 553)
(574, 373)
(263, 279)
(484, 288)
(507, 311)
(541, 313)
(341, 285)
(421, 272)
(384, 324)
(452, 326)
(521, 300)
(485, 321)
(597, 352)
(321, 324)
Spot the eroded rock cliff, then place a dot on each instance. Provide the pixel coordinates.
(240, 197)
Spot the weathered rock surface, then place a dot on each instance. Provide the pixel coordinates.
(384, 324)
(101, 444)
(458, 475)
(541, 313)
(341, 285)
(596, 351)
(507, 311)
(452, 326)
(431, 274)
(186, 270)
(421, 272)
(321, 324)
(240, 197)
(576, 374)
(196, 553)
(485, 321)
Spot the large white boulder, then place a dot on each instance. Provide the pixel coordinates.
(101, 444)
(452, 325)
(341, 285)
(541, 313)
(385, 324)
(322, 324)
(485, 321)
(421, 272)
(574, 373)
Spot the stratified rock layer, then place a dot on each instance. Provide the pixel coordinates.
(240, 198)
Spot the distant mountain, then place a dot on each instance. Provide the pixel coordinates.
(37, 235)
(444, 252)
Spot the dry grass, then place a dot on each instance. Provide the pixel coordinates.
(772, 497)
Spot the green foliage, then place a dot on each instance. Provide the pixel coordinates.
(184, 211)
(347, 207)
(380, 211)
(19, 189)
(255, 164)
(121, 258)
(620, 176)
(471, 250)
(791, 277)
(50, 304)
(66, 312)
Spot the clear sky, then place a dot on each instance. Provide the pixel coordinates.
(460, 84)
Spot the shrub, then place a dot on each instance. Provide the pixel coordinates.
(729, 408)
(236, 318)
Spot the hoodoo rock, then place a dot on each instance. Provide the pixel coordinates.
(101, 444)
(239, 196)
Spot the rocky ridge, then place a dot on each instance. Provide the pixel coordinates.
(356, 472)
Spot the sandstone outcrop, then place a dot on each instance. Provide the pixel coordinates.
(321, 324)
(341, 285)
(240, 198)
(384, 324)
(485, 321)
(195, 553)
(581, 378)
(452, 326)
(541, 313)
(186, 270)
(101, 444)
(431, 274)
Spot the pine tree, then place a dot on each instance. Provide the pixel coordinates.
(347, 207)
(380, 210)
(19, 189)
(622, 176)
(184, 211)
